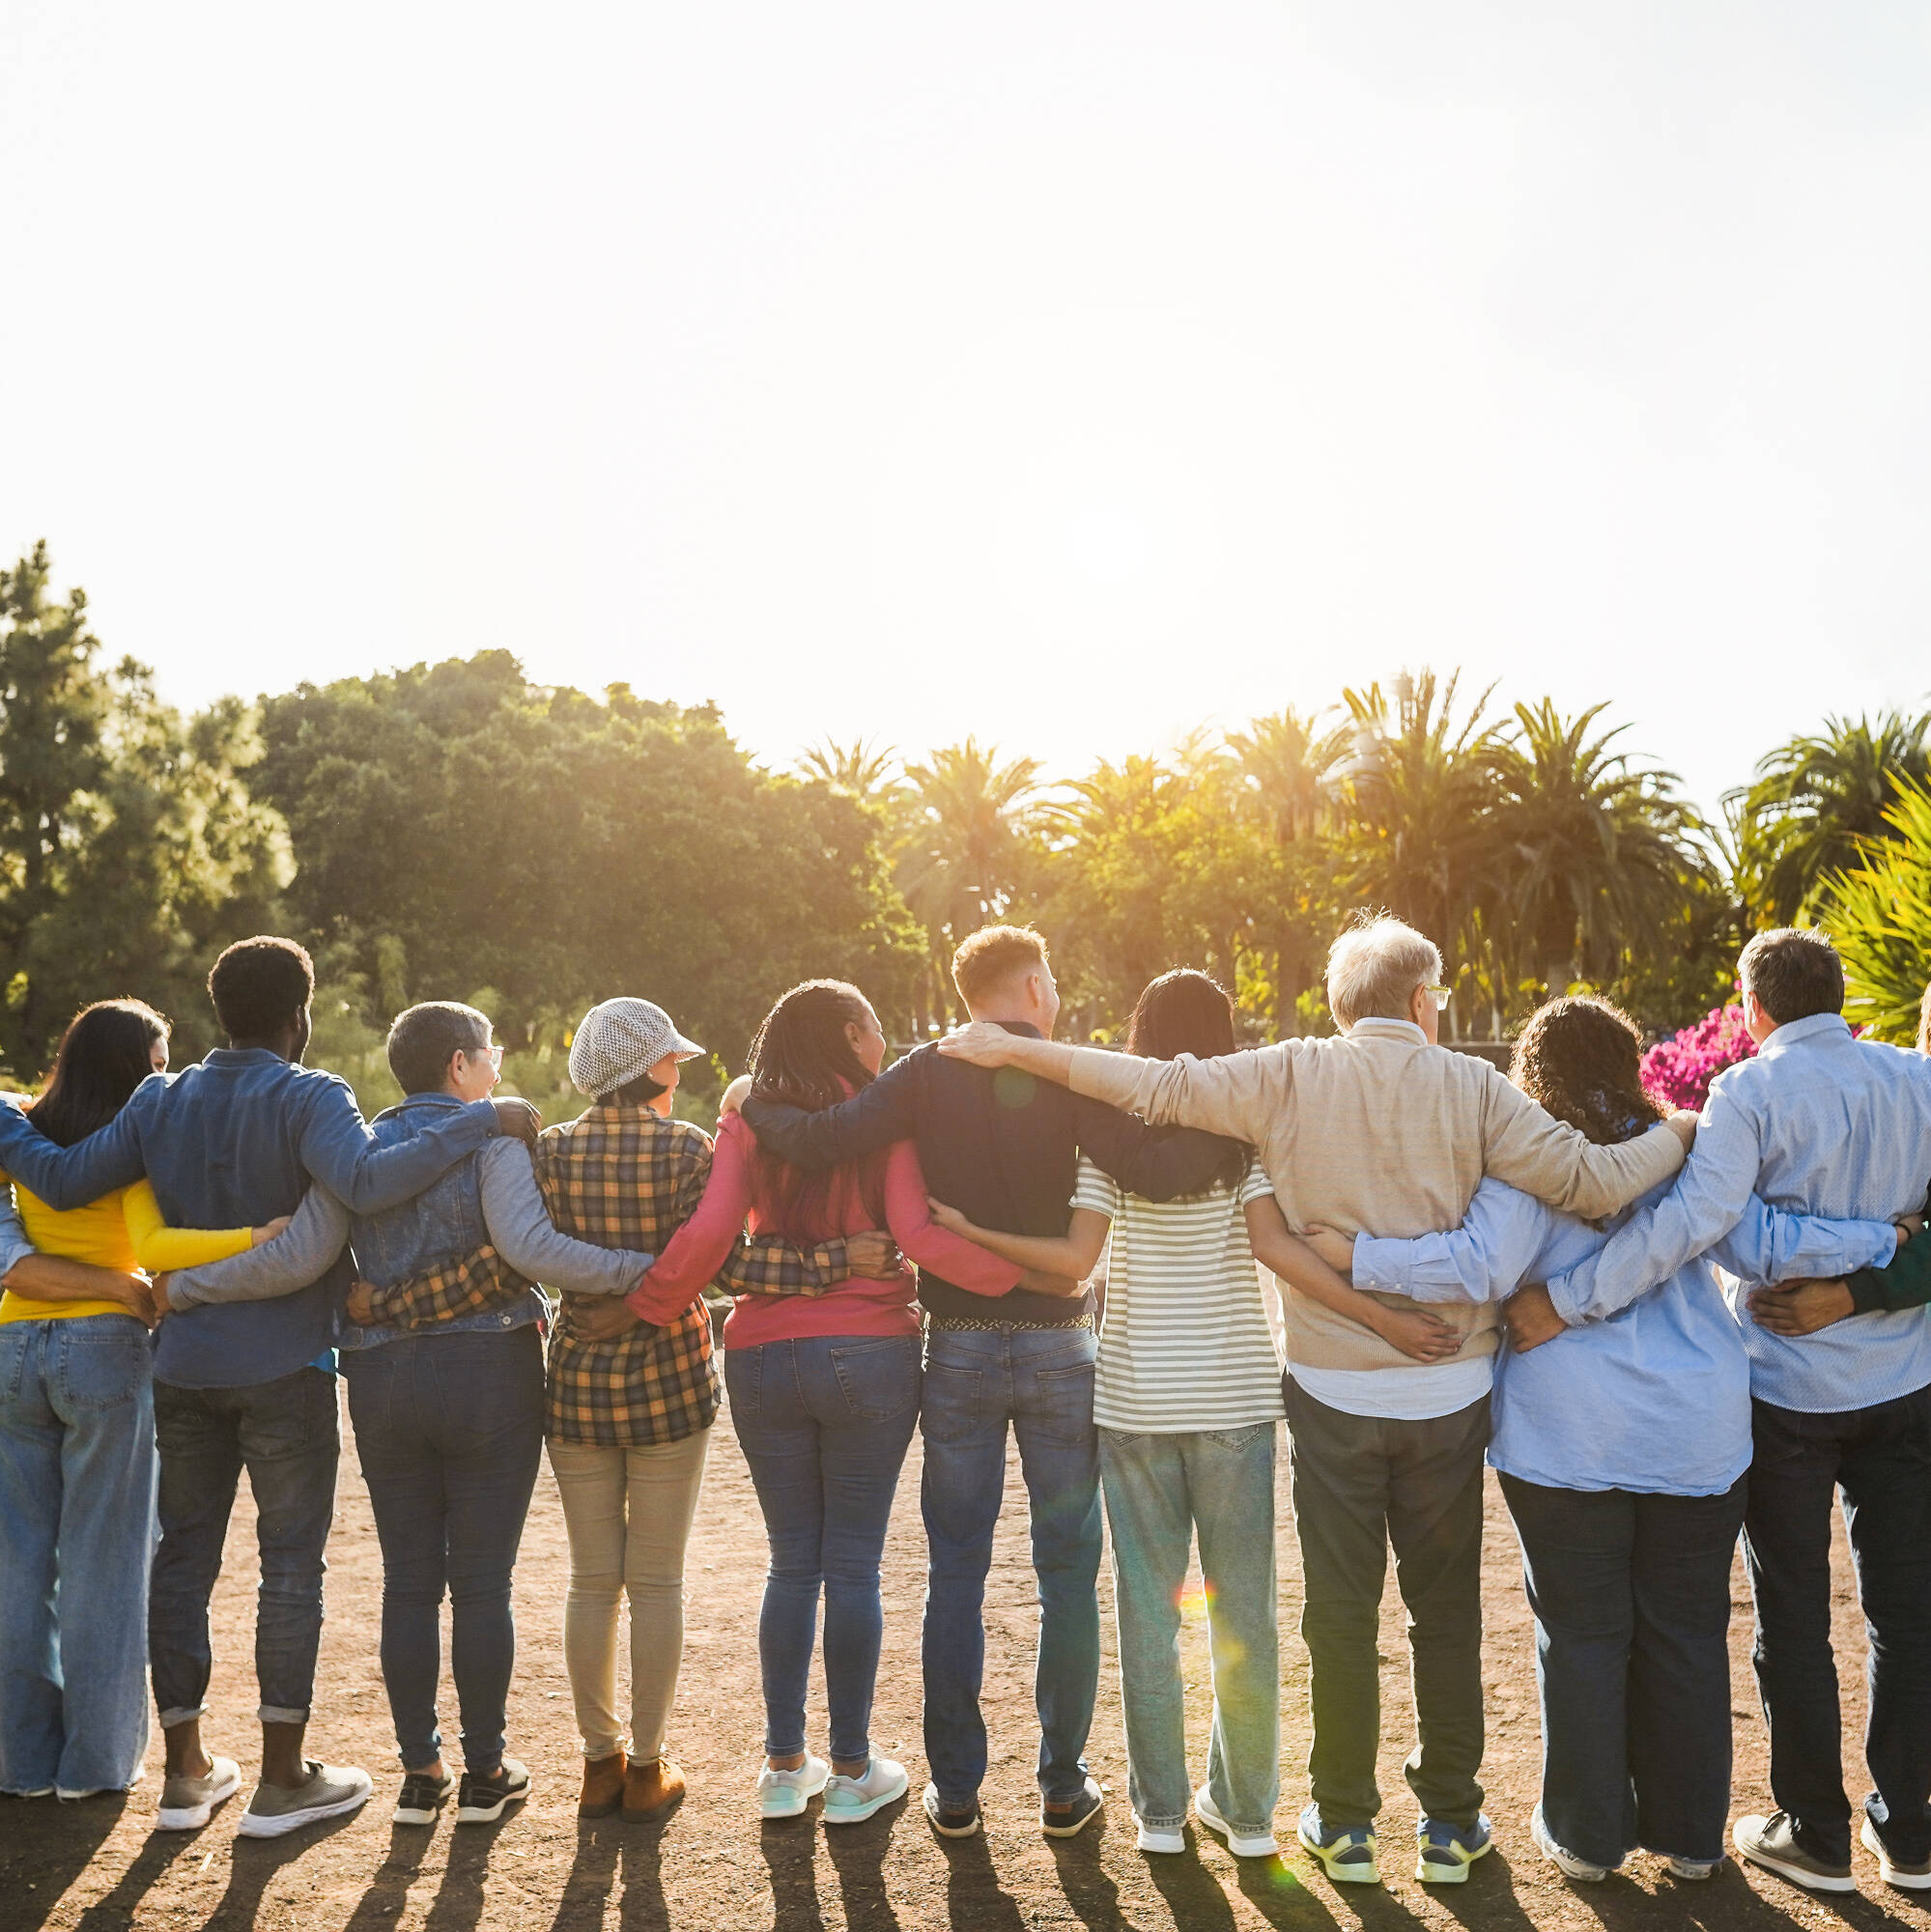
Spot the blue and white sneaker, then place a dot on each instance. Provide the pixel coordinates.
(1447, 1851)
(785, 1794)
(1346, 1852)
(851, 1801)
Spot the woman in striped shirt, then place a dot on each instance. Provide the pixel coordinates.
(1187, 1396)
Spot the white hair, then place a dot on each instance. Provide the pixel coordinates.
(1373, 968)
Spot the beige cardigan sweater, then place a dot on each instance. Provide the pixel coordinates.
(1377, 1132)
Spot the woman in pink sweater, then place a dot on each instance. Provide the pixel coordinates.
(824, 1392)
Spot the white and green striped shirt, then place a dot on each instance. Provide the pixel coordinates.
(1186, 1343)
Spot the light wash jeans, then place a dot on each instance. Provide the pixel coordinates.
(77, 1514)
(1159, 1490)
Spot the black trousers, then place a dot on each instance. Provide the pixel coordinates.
(1880, 1457)
(1359, 1483)
(1631, 1600)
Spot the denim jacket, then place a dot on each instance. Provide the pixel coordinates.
(442, 1223)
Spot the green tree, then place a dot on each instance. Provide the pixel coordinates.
(1816, 801)
(1879, 914)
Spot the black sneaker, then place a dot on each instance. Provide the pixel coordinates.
(485, 1794)
(422, 1798)
(1062, 1818)
(950, 1821)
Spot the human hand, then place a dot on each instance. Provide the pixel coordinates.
(734, 1095)
(361, 1304)
(1419, 1335)
(156, 1300)
(1062, 1286)
(269, 1229)
(601, 1317)
(983, 1043)
(874, 1255)
(1682, 1123)
(1532, 1317)
(948, 1218)
(1800, 1307)
(1908, 1227)
(1336, 1249)
(517, 1117)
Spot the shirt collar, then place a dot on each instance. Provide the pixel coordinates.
(1374, 1028)
(1813, 1026)
(1025, 1027)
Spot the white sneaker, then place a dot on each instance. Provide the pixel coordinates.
(1159, 1838)
(1566, 1862)
(785, 1794)
(188, 1803)
(851, 1801)
(1690, 1868)
(1260, 1845)
(329, 1791)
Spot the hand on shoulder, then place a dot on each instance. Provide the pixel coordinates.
(984, 1043)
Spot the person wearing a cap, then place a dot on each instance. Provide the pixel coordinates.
(629, 1405)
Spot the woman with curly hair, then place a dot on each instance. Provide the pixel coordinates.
(1622, 1447)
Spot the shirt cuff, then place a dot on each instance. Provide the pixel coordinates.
(1376, 1267)
(1565, 1301)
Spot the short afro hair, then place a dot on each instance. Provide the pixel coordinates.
(261, 987)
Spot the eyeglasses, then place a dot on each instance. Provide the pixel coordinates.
(1440, 995)
(493, 1054)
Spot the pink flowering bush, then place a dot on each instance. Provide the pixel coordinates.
(1679, 1071)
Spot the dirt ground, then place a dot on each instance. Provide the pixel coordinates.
(96, 1866)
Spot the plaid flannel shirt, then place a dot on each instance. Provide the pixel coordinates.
(626, 1177)
(467, 1284)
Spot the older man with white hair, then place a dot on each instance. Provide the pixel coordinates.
(1379, 1131)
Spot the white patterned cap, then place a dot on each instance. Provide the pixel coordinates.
(617, 1039)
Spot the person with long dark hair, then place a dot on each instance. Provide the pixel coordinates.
(1186, 1397)
(824, 1392)
(77, 1433)
(1622, 1449)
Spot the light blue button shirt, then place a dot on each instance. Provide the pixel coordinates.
(1818, 1122)
(1655, 1397)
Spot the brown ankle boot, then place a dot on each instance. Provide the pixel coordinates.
(602, 1786)
(651, 1787)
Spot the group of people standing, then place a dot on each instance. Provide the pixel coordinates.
(1524, 1267)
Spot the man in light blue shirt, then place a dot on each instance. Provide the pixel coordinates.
(1823, 1124)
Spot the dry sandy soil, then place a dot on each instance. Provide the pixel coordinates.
(94, 1865)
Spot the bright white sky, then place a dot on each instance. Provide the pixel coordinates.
(1069, 372)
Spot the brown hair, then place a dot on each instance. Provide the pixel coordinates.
(992, 956)
(104, 1056)
(1794, 972)
(1582, 1057)
(1184, 1011)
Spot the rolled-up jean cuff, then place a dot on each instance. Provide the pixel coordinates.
(186, 1715)
(281, 1714)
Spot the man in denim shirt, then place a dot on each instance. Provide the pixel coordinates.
(236, 1141)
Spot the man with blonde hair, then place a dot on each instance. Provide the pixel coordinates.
(1378, 1130)
(1004, 1150)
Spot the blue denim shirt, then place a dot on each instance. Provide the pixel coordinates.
(229, 1144)
(442, 1223)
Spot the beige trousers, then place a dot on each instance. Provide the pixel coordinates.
(628, 1513)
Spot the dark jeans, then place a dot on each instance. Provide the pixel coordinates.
(449, 1431)
(1632, 1602)
(1882, 1458)
(824, 1422)
(1359, 1483)
(1038, 1380)
(285, 1434)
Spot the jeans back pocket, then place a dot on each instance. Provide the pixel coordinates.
(101, 1361)
(878, 1379)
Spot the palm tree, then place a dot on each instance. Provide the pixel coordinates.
(1294, 771)
(1880, 917)
(1591, 850)
(965, 850)
(862, 768)
(1816, 801)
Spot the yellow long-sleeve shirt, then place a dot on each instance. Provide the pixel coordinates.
(121, 1230)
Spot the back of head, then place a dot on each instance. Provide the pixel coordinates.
(1794, 972)
(1581, 1059)
(104, 1054)
(261, 987)
(804, 1057)
(1184, 1011)
(424, 1039)
(1373, 968)
(993, 959)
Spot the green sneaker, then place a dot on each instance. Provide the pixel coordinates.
(1346, 1852)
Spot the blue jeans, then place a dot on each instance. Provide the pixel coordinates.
(449, 1431)
(978, 1381)
(286, 1434)
(1159, 1490)
(1632, 1602)
(76, 1535)
(824, 1422)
